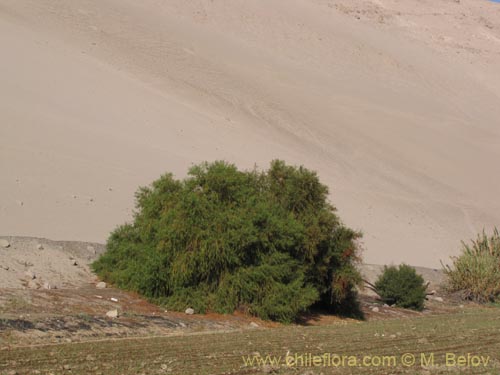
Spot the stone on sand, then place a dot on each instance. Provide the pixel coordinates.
(101, 285)
(32, 284)
(189, 311)
(4, 243)
(112, 314)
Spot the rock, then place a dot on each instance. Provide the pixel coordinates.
(47, 286)
(182, 325)
(438, 299)
(189, 311)
(112, 314)
(254, 325)
(67, 367)
(30, 275)
(375, 309)
(101, 285)
(39, 246)
(91, 249)
(74, 262)
(4, 243)
(6, 268)
(114, 299)
(32, 284)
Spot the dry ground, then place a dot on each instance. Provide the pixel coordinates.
(65, 330)
(469, 332)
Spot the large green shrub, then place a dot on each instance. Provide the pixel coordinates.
(476, 272)
(401, 286)
(223, 239)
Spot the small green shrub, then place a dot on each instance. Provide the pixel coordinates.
(268, 243)
(476, 272)
(402, 286)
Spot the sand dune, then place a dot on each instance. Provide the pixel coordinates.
(395, 103)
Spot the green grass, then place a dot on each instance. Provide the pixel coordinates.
(471, 331)
(476, 272)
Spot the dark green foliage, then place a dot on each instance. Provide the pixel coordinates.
(476, 272)
(223, 239)
(402, 286)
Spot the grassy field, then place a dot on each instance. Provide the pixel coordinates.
(377, 347)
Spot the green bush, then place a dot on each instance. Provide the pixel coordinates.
(476, 272)
(268, 243)
(401, 286)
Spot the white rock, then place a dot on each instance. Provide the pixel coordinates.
(375, 309)
(32, 284)
(438, 299)
(189, 311)
(30, 274)
(114, 299)
(254, 325)
(112, 314)
(4, 243)
(46, 285)
(101, 285)
(39, 246)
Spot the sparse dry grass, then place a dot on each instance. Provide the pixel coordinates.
(474, 331)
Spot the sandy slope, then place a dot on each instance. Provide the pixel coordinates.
(395, 103)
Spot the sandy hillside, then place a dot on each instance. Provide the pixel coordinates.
(396, 103)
